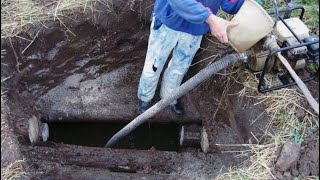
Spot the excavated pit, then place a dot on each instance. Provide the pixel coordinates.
(85, 87)
(96, 134)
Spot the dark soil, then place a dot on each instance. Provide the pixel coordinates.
(307, 164)
(93, 76)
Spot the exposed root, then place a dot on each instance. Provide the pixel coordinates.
(15, 55)
(30, 42)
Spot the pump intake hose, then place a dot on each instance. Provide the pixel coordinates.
(202, 75)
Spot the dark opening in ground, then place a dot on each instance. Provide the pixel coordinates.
(160, 136)
(94, 76)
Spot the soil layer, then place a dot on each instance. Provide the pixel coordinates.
(93, 76)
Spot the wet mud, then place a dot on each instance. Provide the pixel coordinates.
(93, 77)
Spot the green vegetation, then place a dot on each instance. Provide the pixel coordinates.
(311, 17)
(282, 106)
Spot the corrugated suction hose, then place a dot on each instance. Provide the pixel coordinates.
(180, 91)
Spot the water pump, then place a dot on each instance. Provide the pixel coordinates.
(299, 47)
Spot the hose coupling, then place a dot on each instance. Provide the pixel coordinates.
(270, 43)
(244, 56)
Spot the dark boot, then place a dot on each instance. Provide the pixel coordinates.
(143, 106)
(177, 109)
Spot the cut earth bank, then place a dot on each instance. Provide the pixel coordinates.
(89, 73)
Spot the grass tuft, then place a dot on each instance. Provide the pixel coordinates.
(311, 17)
(13, 171)
(17, 15)
(282, 107)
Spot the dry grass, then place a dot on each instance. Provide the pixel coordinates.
(16, 16)
(13, 171)
(282, 107)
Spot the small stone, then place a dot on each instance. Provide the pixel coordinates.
(147, 169)
(124, 167)
(273, 170)
(287, 174)
(314, 154)
(300, 113)
(34, 56)
(289, 155)
(304, 168)
(153, 148)
(279, 175)
(278, 151)
(294, 172)
(314, 169)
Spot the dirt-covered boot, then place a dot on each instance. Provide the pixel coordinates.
(177, 109)
(143, 106)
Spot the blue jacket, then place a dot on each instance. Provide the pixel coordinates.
(190, 15)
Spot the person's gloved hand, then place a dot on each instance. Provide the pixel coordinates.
(219, 26)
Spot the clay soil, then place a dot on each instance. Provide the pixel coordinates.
(93, 76)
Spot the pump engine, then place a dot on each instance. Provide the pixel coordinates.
(298, 46)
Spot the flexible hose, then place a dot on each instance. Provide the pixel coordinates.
(180, 91)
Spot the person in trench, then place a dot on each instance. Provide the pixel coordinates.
(178, 26)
